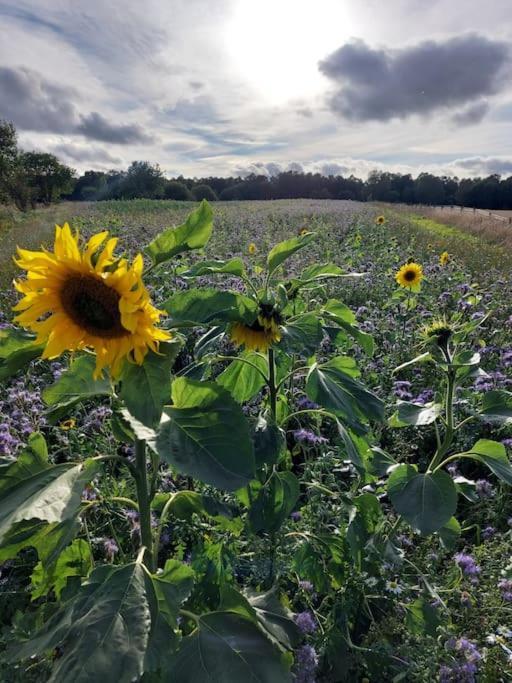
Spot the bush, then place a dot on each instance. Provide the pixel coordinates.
(200, 192)
(176, 190)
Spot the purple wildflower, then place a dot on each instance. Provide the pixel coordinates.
(467, 564)
(111, 549)
(306, 586)
(306, 664)
(484, 488)
(488, 532)
(309, 437)
(306, 622)
(296, 516)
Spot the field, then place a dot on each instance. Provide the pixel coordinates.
(324, 496)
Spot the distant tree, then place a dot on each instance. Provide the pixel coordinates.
(143, 179)
(200, 192)
(46, 176)
(429, 189)
(233, 193)
(8, 159)
(91, 185)
(176, 190)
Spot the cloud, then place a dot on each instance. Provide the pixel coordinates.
(383, 84)
(32, 102)
(472, 114)
(81, 154)
(485, 165)
(97, 127)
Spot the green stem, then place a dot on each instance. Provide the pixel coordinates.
(143, 497)
(448, 435)
(292, 373)
(272, 383)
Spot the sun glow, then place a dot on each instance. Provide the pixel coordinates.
(275, 45)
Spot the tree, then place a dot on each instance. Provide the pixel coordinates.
(46, 176)
(143, 179)
(177, 190)
(200, 192)
(429, 189)
(8, 157)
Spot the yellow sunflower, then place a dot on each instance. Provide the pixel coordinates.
(303, 231)
(380, 220)
(252, 249)
(87, 299)
(67, 425)
(444, 258)
(409, 275)
(261, 334)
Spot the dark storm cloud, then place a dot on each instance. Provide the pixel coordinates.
(485, 165)
(83, 154)
(97, 127)
(472, 114)
(32, 102)
(382, 84)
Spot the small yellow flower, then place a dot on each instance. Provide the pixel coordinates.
(252, 248)
(261, 334)
(380, 220)
(409, 275)
(67, 425)
(444, 258)
(303, 231)
(75, 299)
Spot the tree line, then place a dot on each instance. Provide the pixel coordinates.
(29, 178)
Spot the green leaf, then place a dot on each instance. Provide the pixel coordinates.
(274, 502)
(320, 272)
(284, 250)
(146, 388)
(31, 488)
(450, 534)
(205, 435)
(234, 266)
(106, 628)
(49, 540)
(208, 306)
(497, 407)
(356, 447)
(193, 234)
(494, 455)
(363, 519)
(416, 414)
(75, 560)
(421, 617)
(379, 461)
(426, 501)
(17, 349)
(75, 385)
(225, 648)
(422, 358)
(303, 335)
(333, 386)
(274, 618)
(173, 586)
(269, 441)
(241, 379)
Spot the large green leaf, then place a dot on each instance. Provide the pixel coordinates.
(450, 533)
(76, 384)
(234, 266)
(303, 335)
(334, 386)
(269, 441)
(31, 488)
(497, 406)
(49, 540)
(274, 502)
(416, 414)
(204, 434)
(422, 617)
(226, 648)
(107, 628)
(193, 234)
(17, 349)
(206, 306)
(363, 518)
(426, 501)
(243, 381)
(75, 560)
(494, 455)
(146, 388)
(173, 586)
(284, 250)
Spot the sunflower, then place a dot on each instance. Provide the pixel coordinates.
(67, 425)
(261, 334)
(444, 258)
(252, 249)
(439, 331)
(380, 220)
(409, 275)
(303, 231)
(87, 299)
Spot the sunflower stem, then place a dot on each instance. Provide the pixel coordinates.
(141, 483)
(272, 387)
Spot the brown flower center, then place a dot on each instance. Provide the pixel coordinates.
(93, 306)
(410, 275)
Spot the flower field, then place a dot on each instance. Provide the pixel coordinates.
(263, 441)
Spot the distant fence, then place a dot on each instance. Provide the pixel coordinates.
(464, 209)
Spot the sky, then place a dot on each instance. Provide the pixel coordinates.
(230, 87)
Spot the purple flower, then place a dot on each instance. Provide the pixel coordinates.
(296, 516)
(309, 437)
(507, 443)
(111, 548)
(306, 622)
(484, 488)
(488, 532)
(467, 564)
(505, 586)
(305, 404)
(306, 664)
(306, 586)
